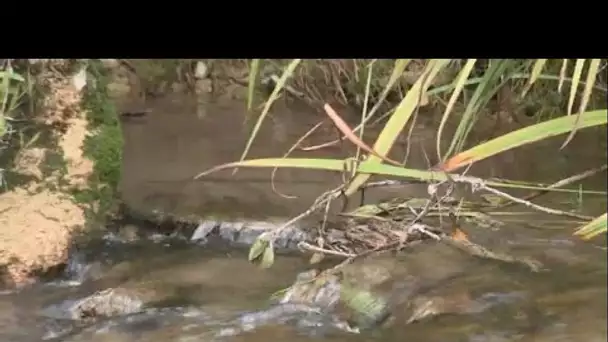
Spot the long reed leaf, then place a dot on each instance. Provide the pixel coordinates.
(253, 73)
(480, 97)
(562, 75)
(536, 70)
(593, 228)
(399, 119)
(275, 94)
(576, 77)
(459, 85)
(524, 136)
(398, 69)
(375, 168)
(589, 82)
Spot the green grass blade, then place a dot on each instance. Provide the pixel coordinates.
(459, 85)
(275, 94)
(536, 70)
(562, 75)
(4, 91)
(400, 65)
(12, 76)
(483, 93)
(253, 73)
(594, 65)
(593, 228)
(525, 136)
(368, 167)
(399, 119)
(576, 77)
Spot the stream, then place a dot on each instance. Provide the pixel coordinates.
(210, 292)
(216, 294)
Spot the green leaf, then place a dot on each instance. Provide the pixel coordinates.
(369, 308)
(576, 77)
(398, 69)
(267, 256)
(536, 70)
(493, 200)
(459, 84)
(590, 81)
(258, 247)
(338, 165)
(275, 94)
(316, 258)
(562, 75)
(525, 136)
(399, 119)
(253, 72)
(11, 76)
(6, 81)
(483, 93)
(593, 228)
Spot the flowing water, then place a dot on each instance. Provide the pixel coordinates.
(215, 294)
(210, 292)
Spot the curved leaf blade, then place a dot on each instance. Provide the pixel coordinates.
(375, 168)
(275, 94)
(484, 91)
(536, 70)
(398, 69)
(399, 119)
(267, 256)
(576, 77)
(257, 249)
(253, 73)
(589, 82)
(593, 228)
(524, 136)
(562, 75)
(460, 82)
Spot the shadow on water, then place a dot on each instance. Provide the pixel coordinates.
(204, 293)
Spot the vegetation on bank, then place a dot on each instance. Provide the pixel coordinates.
(13, 90)
(105, 145)
(19, 129)
(465, 89)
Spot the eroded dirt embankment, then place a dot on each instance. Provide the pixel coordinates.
(39, 218)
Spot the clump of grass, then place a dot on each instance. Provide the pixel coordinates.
(104, 146)
(15, 131)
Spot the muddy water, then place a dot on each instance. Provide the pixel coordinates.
(215, 291)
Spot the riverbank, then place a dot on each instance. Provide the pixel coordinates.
(62, 160)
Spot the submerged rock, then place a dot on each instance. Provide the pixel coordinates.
(384, 288)
(136, 224)
(106, 303)
(246, 232)
(185, 275)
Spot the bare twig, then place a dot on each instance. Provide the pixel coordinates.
(563, 182)
(309, 247)
(482, 252)
(479, 184)
(320, 202)
(536, 206)
(291, 149)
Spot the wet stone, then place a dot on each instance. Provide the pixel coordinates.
(106, 303)
(246, 232)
